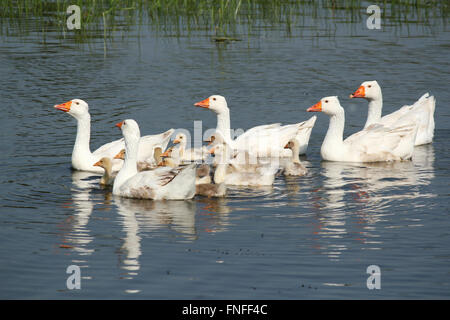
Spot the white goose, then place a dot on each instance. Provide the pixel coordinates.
(159, 184)
(183, 154)
(421, 112)
(376, 143)
(263, 140)
(235, 172)
(82, 157)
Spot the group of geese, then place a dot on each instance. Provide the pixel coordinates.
(143, 167)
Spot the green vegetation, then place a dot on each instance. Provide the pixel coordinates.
(217, 18)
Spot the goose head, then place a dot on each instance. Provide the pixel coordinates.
(104, 163)
(167, 162)
(215, 103)
(77, 108)
(369, 90)
(210, 140)
(120, 155)
(215, 139)
(130, 130)
(328, 105)
(293, 145)
(180, 138)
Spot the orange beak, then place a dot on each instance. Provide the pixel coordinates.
(118, 156)
(161, 164)
(176, 141)
(64, 106)
(212, 151)
(119, 125)
(286, 146)
(203, 103)
(360, 93)
(166, 154)
(98, 164)
(316, 108)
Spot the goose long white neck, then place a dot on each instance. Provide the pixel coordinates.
(374, 113)
(333, 143)
(81, 149)
(221, 161)
(129, 168)
(182, 148)
(220, 172)
(223, 123)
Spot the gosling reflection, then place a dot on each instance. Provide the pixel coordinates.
(213, 214)
(370, 191)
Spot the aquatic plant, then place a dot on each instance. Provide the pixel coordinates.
(221, 18)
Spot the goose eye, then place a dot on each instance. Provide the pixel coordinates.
(77, 103)
(369, 86)
(326, 101)
(214, 99)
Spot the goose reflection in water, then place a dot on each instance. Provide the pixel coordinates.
(76, 234)
(140, 217)
(354, 197)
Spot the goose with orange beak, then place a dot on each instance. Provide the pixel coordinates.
(82, 157)
(421, 112)
(263, 140)
(374, 144)
(234, 171)
(143, 165)
(294, 167)
(108, 177)
(162, 183)
(192, 154)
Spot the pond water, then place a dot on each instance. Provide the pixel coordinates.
(310, 237)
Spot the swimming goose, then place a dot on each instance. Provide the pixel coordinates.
(421, 112)
(108, 176)
(82, 157)
(263, 140)
(236, 172)
(211, 190)
(202, 174)
(168, 162)
(163, 183)
(193, 154)
(170, 157)
(376, 143)
(294, 167)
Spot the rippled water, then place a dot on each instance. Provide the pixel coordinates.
(309, 237)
